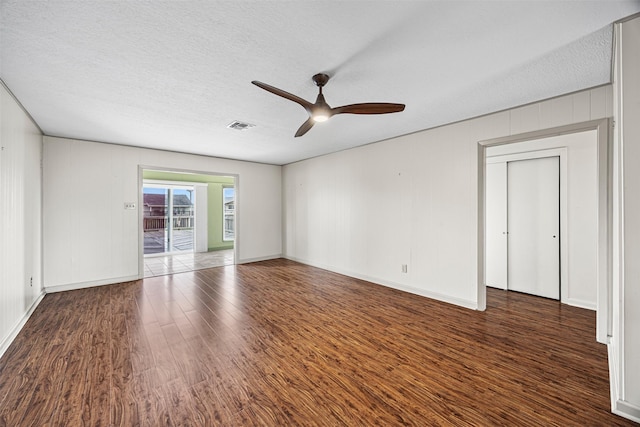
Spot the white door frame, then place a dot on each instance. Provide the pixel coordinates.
(605, 179)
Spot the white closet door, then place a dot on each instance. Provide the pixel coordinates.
(496, 225)
(534, 226)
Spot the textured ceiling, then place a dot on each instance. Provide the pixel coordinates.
(173, 74)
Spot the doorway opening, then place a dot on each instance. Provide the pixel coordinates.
(585, 243)
(187, 221)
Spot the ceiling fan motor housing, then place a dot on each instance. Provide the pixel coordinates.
(321, 79)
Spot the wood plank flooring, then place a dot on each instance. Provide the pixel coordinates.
(278, 343)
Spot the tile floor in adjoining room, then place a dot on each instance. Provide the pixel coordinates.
(159, 265)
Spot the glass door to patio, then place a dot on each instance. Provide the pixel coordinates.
(168, 218)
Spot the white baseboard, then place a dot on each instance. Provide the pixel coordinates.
(263, 258)
(394, 285)
(619, 406)
(580, 304)
(6, 342)
(613, 374)
(627, 410)
(89, 284)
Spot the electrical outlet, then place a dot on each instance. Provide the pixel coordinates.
(129, 205)
(404, 268)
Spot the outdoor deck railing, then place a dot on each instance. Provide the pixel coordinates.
(152, 223)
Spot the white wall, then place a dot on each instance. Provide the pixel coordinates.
(411, 200)
(201, 219)
(581, 258)
(20, 217)
(90, 239)
(625, 341)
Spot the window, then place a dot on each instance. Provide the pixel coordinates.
(228, 213)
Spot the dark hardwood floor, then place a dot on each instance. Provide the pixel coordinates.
(278, 343)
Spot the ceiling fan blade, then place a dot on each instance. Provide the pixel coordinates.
(305, 127)
(306, 104)
(368, 108)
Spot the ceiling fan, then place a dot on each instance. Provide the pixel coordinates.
(320, 111)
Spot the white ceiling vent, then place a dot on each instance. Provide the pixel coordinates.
(237, 125)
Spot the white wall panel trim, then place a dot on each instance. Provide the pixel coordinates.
(626, 317)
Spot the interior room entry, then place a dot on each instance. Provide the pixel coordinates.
(523, 226)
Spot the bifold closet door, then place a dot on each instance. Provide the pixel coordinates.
(533, 217)
(496, 225)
